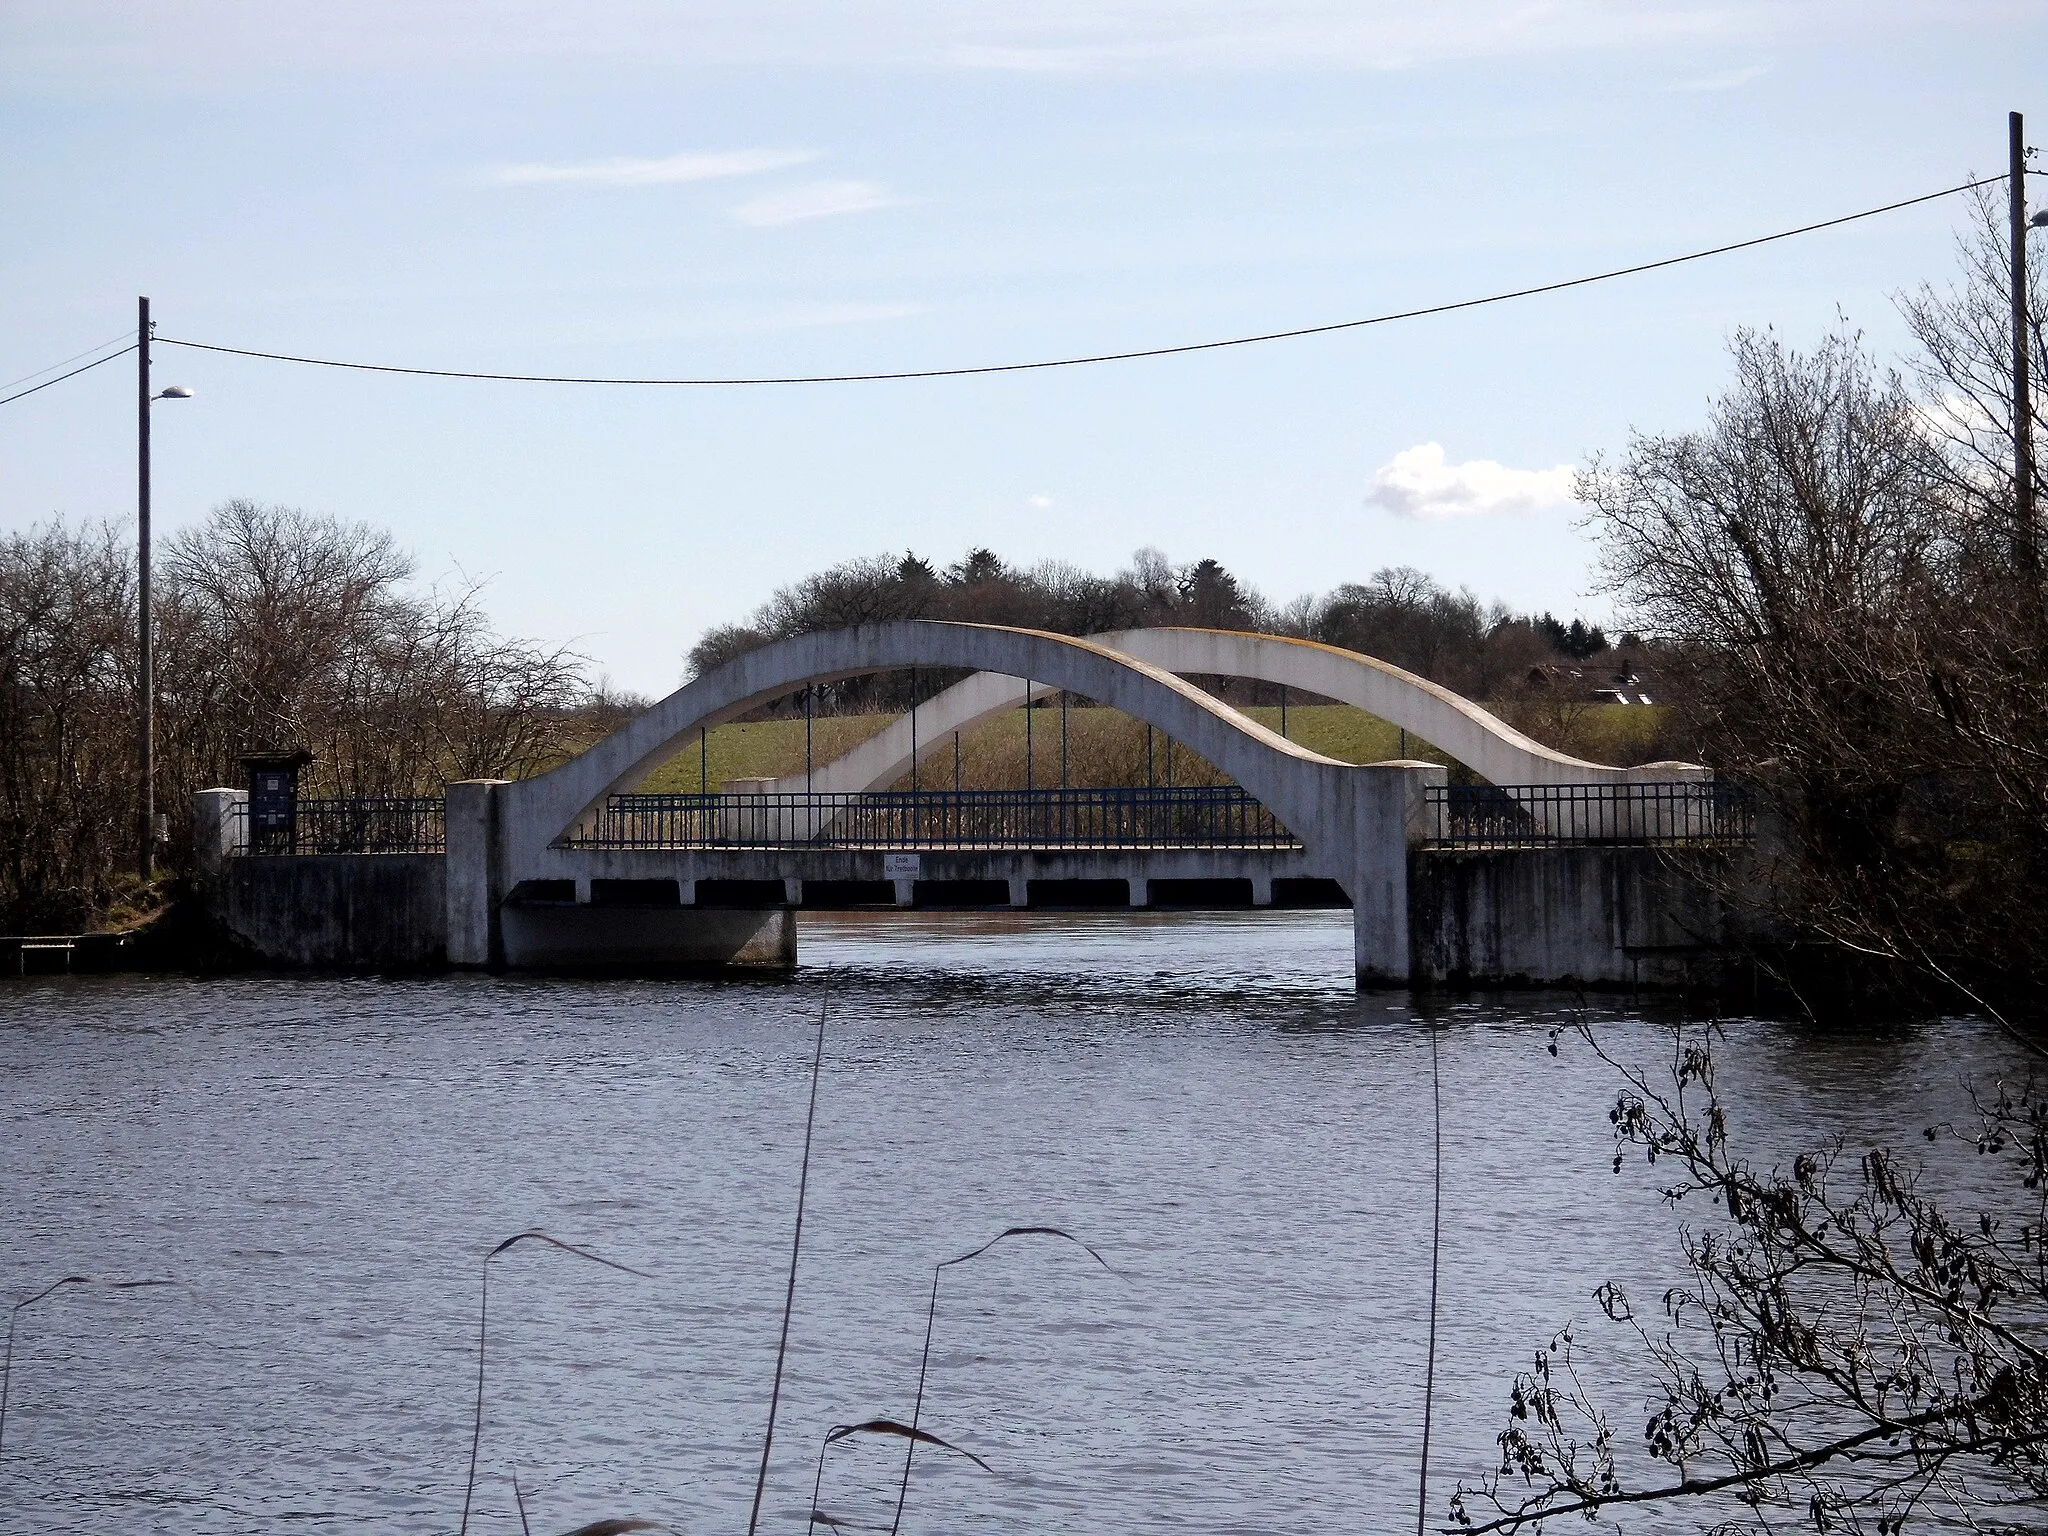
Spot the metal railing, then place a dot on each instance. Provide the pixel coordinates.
(1221, 816)
(1568, 815)
(389, 824)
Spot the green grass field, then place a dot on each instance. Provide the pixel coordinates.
(1104, 748)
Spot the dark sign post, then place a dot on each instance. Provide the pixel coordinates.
(274, 800)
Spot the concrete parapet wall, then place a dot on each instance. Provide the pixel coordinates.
(1609, 917)
(357, 911)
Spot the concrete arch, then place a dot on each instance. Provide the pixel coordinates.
(1473, 736)
(1295, 783)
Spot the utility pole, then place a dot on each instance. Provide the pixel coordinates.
(145, 655)
(2026, 541)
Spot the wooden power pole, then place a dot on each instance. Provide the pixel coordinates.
(145, 656)
(2026, 537)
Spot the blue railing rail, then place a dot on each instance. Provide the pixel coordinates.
(1195, 816)
(1650, 814)
(377, 824)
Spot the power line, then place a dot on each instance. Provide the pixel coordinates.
(74, 357)
(74, 373)
(1099, 357)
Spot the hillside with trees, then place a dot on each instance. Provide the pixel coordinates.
(1398, 614)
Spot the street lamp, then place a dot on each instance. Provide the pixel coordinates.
(145, 670)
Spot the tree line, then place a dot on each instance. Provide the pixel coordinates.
(275, 630)
(1398, 614)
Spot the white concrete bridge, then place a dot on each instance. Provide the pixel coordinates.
(537, 873)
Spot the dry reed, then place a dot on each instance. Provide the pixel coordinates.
(7, 1362)
(482, 1324)
(931, 1318)
(907, 1432)
(796, 1244)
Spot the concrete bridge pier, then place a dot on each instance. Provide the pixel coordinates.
(475, 874)
(1386, 816)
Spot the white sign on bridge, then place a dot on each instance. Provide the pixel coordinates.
(902, 866)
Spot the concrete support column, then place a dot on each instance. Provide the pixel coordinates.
(792, 891)
(1388, 817)
(905, 891)
(1020, 891)
(220, 830)
(474, 870)
(583, 890)
(1141, 891)
(1262, 890)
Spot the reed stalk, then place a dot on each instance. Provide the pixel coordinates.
(796, 1244)
(930, 1319)
(483, 1318)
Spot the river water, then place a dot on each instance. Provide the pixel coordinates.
(318, 1165)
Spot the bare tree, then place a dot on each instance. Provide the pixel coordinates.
(1862, 652)
(276, 630)
(1965, 360)
(1847, 1354)
(67, 734)
(286, 630)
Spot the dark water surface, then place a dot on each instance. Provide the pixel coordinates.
(318, 1165)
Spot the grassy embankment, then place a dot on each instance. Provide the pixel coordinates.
(1105, 748)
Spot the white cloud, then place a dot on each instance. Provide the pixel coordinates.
(1419, 482)
(1040, 501)
(815, 200)
(653, 173)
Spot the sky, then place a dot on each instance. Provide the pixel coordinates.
(787, 186)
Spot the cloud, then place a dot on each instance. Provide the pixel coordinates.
(1040, 501)
(1418, 482)
(815, 200)
(654, 173)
